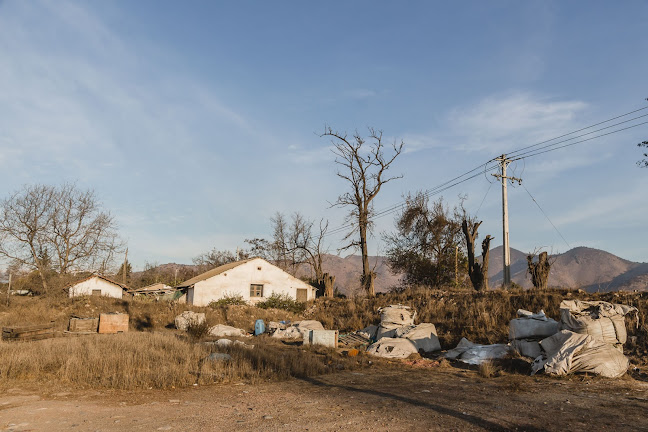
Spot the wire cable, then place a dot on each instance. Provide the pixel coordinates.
(547, 217)
(519, 154)
(579, 130)
(575, 137)
(484, 199)
(578, 142)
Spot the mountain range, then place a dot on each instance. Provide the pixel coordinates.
(581, 267)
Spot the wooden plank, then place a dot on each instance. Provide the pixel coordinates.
(83, 324)
(113, 323)
(30, 337)
(20, 329)
(29, 333)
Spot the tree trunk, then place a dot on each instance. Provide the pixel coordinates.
(485, 258)
(329, 283)
(478, 273)
(368, 283)
(367, 278)
(41, 272)
(539, 271)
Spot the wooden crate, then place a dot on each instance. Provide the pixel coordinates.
(27, 333)
(83, 324)
(113, 323)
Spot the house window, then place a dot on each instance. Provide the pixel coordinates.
(256, 290)
(96, 292)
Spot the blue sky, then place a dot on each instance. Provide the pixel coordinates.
(196, 121)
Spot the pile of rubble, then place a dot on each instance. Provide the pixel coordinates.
(588, 338)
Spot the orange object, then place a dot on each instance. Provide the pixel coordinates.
(353, 352)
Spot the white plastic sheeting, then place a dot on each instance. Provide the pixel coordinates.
(531, 325)
(393, 317)
(393, 348)
(424, 336)
(298, 329)
(526, 331)
(603, 321)
(475, 354)
(526, 347)
(220, 330)
(407, 340)
(569, 352)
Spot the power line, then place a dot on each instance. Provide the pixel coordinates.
(578, 136)
(545, 215)
(578, 142)
(576, 131)
(520, 156)
(484, 199)
(432, 192)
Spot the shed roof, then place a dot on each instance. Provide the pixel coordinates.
(213, 272)
(122, 286)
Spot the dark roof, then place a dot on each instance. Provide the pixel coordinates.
(213, 272)
(122, 286)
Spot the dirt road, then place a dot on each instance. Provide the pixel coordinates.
(373, 399)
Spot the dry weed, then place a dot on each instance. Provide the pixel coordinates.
(489, 369)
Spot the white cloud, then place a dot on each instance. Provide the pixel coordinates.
(499, 124)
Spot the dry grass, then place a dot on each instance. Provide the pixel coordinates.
(156, 357)
(488, 369)
(479, 317)
(157, 360)
(145, 314)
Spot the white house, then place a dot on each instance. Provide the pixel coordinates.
(253, 279)
(97, 286)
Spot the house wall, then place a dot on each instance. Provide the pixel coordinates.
(237, 281)
(95, 283)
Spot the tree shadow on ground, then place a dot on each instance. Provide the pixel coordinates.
(440, 409)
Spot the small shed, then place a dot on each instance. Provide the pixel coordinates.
(97, 285)
(155, 290)
(254, 280)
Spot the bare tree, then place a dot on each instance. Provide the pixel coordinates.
(539, 270)
(477, 272)
(83, 235)
(294, 243)
(215, 258)
(363, 165)
(644, 162)
(309, 243)
(24, 225)
(61, 228)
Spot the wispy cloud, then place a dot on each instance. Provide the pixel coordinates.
(606, 210)
(501, 123)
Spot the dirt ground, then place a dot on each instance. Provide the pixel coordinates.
(393, 399)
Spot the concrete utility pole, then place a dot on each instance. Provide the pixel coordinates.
(124, 267)
(506, 251)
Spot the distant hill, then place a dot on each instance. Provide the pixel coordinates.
(582, 267)
(586, 268)
(346, 270)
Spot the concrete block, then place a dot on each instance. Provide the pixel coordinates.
(327, 338)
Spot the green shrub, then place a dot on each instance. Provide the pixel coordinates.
(282, 301)
(234, 299)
